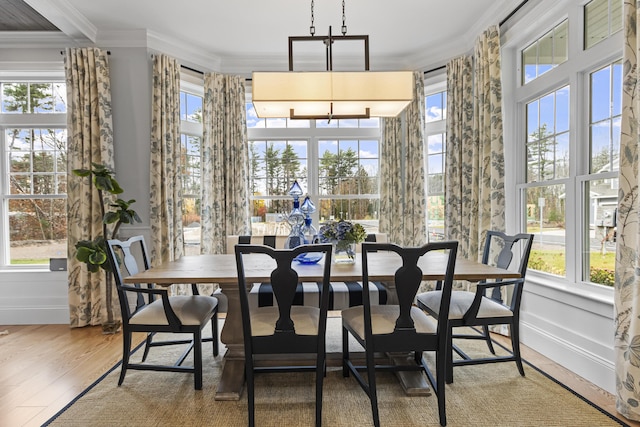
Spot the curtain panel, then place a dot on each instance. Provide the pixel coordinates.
(89, 140)
(225, 162)
(627, 273)
(474, 182)
(166, 163)
(402, 190)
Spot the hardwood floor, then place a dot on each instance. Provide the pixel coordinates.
(43, 367)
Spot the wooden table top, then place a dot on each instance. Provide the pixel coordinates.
(382, 266)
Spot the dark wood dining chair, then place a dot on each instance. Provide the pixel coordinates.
(285, 328)
(402, 327)
(480, 309)
(151, 310)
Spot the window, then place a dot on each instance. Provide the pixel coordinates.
(33, 172)
(435, 120)
(336, 163)
(570, 138)
(601, 184)
(545, 53)
(191, 98)
(601, 19)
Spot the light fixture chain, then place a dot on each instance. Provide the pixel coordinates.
(312, 28)
(344, 19)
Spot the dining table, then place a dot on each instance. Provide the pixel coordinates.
(221, 269)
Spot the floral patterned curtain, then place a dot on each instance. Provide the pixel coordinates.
(225, 162)
(166, 164)
(627, 276)
(402, 192)
(90, 140)
(474, 179)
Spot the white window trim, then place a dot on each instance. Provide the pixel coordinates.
(575, 72)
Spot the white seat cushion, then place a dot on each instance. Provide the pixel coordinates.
(305, 320)
(190, 310)
(460, 303)
(383, 319)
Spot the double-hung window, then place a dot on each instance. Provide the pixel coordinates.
(335, 162)
(436, 140)
(33, 172)
(191, 98)
(569, 144)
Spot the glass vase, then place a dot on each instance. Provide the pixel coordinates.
(344, 253)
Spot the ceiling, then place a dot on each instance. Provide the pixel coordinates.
(245, 35)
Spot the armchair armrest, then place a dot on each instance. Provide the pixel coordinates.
(480, 293)
(172, 318)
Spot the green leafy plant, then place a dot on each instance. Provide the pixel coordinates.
(343, 233)
(94, 252)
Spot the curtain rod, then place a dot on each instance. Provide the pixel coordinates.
(192, 69)
(504, 21)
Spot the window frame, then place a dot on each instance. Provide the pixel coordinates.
(52, 120)
(574, 72)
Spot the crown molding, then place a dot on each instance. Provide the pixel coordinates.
(183, 52)
(67, 18)
(33, 39)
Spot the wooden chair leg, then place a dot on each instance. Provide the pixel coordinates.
(147, 345)
(126, 351)
(441, 368)
(487, 337)
(250, 391)
(320, 371)
(197, 359)
(515, 345)
(373, 395)
(449, 357)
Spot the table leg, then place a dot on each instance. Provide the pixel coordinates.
(232, 379)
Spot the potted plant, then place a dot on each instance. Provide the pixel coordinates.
(343, 235)
(93, 252)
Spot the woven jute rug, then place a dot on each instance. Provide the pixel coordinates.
(481, 395)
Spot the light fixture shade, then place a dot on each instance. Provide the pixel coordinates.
(331, 93)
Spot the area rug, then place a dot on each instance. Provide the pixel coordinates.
(482, 395)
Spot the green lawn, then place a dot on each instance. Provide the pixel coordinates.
(602, 266)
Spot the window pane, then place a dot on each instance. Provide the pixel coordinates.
(596, 16)
(606, 91)
(600, 256)
(15, 98)
(548, 138)
(434, 107)
(38, 230)
(545, 53)
(37, 160)
(193, 111)
(529, 63)
(435, 212)
(546, 219)
(561, 43)
(601, 94)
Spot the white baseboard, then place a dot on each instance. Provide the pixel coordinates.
(584, 363)
(34, 315)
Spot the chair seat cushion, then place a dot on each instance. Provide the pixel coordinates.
(383, 319)
(190, 310)
(305, 320)
(461, 302)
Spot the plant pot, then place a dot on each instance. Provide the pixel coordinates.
(344, 253)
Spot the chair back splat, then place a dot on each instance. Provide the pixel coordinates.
(155, 311)
(284, 328)
(401, 328)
